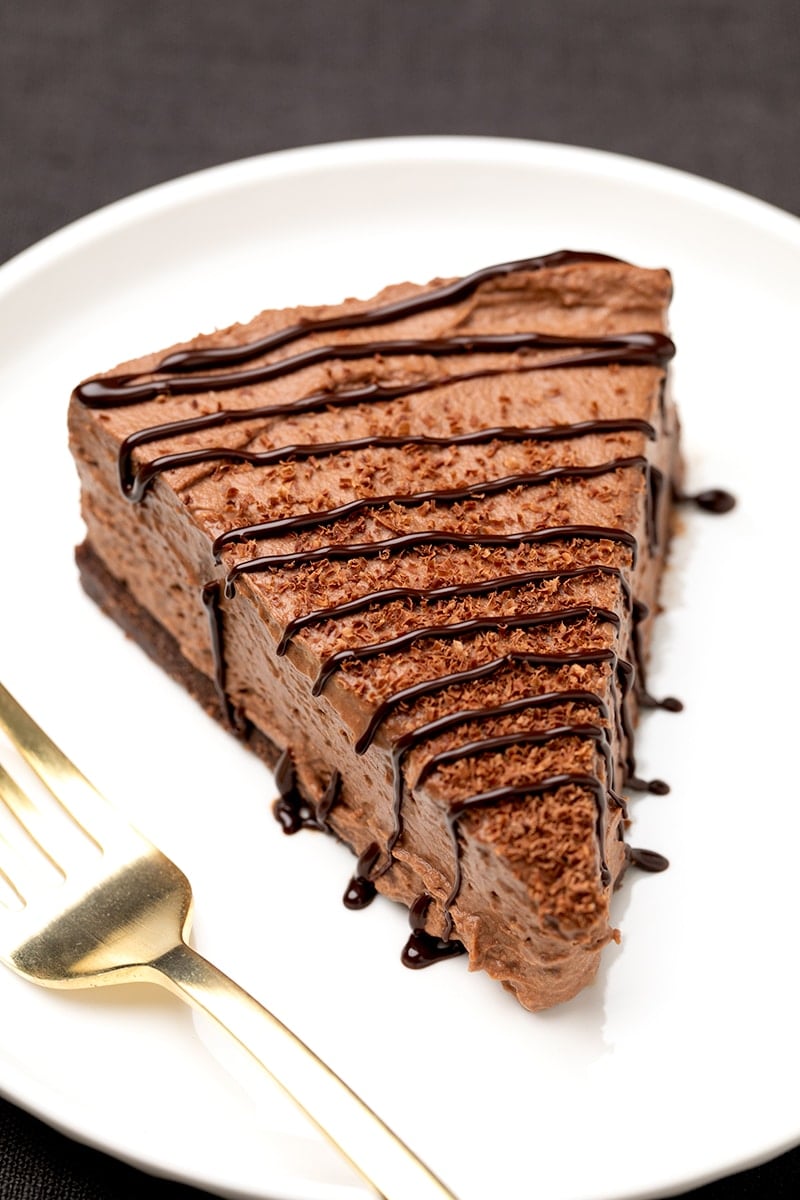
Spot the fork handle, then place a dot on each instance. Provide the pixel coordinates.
(375, 1152)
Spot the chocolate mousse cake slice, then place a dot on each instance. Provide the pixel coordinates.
(409, 550)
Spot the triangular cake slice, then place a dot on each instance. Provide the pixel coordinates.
(408, 549)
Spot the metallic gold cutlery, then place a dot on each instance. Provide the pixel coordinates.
(119, 912)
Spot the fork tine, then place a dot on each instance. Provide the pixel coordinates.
(25, 862)
(70, 787)
(9, 854)
(27, 815)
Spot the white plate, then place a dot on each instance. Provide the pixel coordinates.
(681, 1063)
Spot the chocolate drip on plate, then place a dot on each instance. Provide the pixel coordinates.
(645, 699)
(361, 889)
(669, 703)
(291, 809)
(656, 787)
(424, 949)
(714, 500)
(647, 860)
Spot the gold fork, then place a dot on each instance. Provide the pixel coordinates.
(120, 915)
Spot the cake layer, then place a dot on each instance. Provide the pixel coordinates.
(413, 545)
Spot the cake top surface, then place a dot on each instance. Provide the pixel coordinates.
(435, 499)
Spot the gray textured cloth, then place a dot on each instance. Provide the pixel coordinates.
(99, 98)
(103, 97)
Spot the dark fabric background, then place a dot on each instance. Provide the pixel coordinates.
(99, 98)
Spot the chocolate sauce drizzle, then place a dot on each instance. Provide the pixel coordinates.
(431, 729)
(430, 687)
(114, 392)
(485, 624)
(220, 368)
(361, 889)
(211, 597)
(428, 537)
(645, 698)
(134, 483)
(317, 520)
(448, 591)
(292, 811)
(422, 948)
(634, 349)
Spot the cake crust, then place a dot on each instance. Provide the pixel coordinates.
(440, 578)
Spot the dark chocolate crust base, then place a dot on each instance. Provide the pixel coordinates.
(116, 601)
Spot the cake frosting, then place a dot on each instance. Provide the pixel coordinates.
(409, 550)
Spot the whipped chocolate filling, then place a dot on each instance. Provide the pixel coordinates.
(221, 368)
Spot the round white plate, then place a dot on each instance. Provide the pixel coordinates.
(681, 1063)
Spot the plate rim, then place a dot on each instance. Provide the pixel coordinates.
(171, 193)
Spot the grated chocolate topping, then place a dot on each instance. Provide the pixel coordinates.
(350, 531)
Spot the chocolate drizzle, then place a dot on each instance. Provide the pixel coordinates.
(645, 699)
(427, 537)
(211, 594)
(487, 487)
(450, 293)
(292, 810)
(486, 624)
(423, 949)
(429, 687)
(134, 483)
(449, 591)
(431, 729)
(361, 889)
(218, 369)
(114, 392)
(634, 349)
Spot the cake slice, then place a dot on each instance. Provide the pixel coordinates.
(408, 550)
